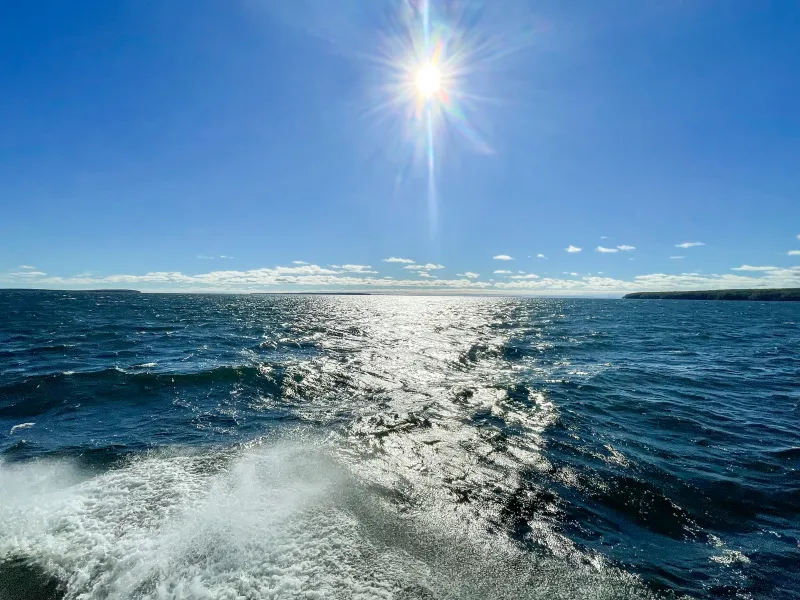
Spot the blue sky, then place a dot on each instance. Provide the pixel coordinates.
(210, 145)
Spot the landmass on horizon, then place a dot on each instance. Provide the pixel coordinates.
(763, 295)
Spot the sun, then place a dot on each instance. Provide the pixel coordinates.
(428, 80)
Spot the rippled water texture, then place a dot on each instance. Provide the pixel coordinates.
(179, 446)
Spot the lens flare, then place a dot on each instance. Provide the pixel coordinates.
(438, 59)
(429, 81)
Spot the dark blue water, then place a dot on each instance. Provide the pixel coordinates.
(189, 446)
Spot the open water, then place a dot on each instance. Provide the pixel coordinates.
(202, 446)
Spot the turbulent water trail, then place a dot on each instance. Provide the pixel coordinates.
(277, 521)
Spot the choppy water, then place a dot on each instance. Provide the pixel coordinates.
(179, 446)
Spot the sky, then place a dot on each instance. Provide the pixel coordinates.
(413, 146)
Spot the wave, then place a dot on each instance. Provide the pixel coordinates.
(282, 520)
(41, 393)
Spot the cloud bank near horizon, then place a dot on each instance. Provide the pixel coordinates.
(309, 277)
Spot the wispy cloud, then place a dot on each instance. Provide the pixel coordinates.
(469, 275)
(603, 237)
(426, 275)
(502, 272)
(303, 270)
(428, 267)
(225, 257)
(528, 276)
(27, 267)
(29, 274)
(626, 248)
(299, 262)
(606, 250)
(677, 257)
(573, 249)
(794, 253)
(689, 244)
(204, 257)
(394, 259)
(540, 256)
(503, 257)
(751, 268)
(357, 269)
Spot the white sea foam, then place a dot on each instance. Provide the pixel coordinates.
(730, 557)
(148, 365)
(271, 522)
(16, 428)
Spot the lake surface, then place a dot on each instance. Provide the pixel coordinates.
(199, 446)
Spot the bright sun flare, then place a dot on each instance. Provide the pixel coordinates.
(429, 80)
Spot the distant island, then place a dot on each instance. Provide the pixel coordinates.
(115, 291)
(767, 295)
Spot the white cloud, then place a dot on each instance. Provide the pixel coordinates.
(749, 268)
(521, 272)
(225, 256)
(299, 262)
(303, 270)
(689, 244)
(572, 248)
(606, 250)
(469, 275)
(540, 256)
(794, 253)
(27, 267)
(677, 257)
(394, 259)
(315, 278)
(603, 237)
(502, 272)
(503, 257)
(428, 267)
(626, 248)
(357, 269)
(798, 236)
(204, 257)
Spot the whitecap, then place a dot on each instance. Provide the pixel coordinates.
(19, 427)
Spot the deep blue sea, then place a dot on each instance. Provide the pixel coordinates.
(263, 446)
